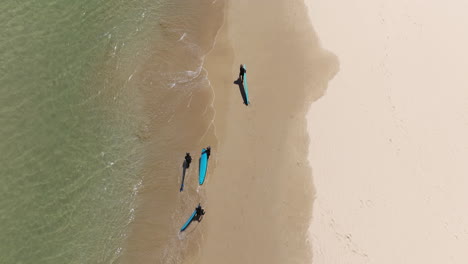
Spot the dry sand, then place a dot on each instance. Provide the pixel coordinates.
(259, 194)
(389, 139)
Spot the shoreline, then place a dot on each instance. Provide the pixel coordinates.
(178, 102)
(261, 184)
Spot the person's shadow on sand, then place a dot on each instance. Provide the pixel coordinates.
(240, 83)
(184, 169)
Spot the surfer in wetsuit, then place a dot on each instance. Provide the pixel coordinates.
(188, 160)
(199, 214)
(207, 151)
(242, 71)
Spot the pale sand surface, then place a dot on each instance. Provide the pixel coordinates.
(258, 191)
(389, 139)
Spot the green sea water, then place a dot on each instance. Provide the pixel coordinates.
(69, 120)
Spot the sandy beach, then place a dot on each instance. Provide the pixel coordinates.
(259, 194)
(102, 100)
(388, 140)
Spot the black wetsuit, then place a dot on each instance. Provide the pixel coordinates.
(200, 213)
(242, 71)
(188, 160)
(208, 151)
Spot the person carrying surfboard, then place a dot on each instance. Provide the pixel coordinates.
(242, 71)
(188, 160)
(200, 212)
(197, 215)
(207, 151)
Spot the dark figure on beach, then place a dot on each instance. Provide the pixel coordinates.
(199, 214)
(242, 71)
(208, 151)
(188, 160)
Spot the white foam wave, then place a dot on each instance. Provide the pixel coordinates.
(184, 76)
(182, 37)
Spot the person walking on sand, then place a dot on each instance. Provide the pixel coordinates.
(242, 71)
(207, 151)
(200, 212)
(188, 160)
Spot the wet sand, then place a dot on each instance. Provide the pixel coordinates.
(388, 140)
(180, 120)
(259, 193)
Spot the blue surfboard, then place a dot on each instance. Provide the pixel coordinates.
(188, 221)
(203, 162)
(246, 90)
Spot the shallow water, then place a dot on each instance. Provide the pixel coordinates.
(75, 122)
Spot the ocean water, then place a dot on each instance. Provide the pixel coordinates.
(71, 126)
(91, 92)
